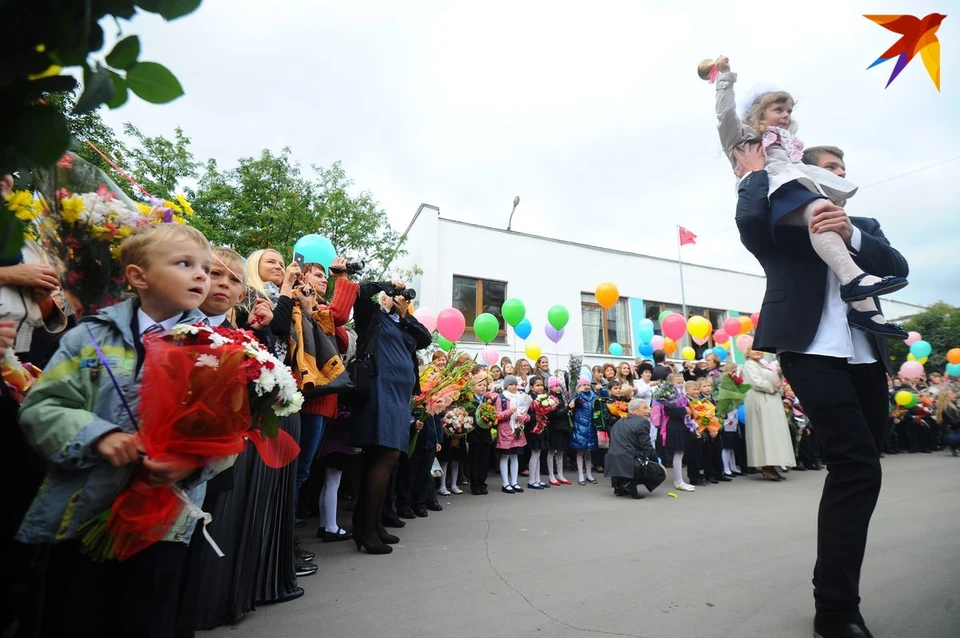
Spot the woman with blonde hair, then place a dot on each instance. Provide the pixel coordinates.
(948, 416)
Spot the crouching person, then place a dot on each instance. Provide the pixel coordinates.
(629, 440)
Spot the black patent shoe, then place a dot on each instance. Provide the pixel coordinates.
(855, 291)
(863, 320)
(840, 630)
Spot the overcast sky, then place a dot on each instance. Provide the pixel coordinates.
(591, 112)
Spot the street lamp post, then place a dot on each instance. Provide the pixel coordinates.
(516, 200)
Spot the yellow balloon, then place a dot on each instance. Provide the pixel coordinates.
(689, 353)
(922, 361)
(699, 327)
(903, 398)
(607, 295)
(910, 357)
(745, 325)
(533, 351)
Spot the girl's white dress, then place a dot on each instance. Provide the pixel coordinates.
(783, 148)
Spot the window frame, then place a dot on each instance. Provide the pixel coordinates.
(469, 336)
(605, 324)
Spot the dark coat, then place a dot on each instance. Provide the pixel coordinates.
(629, 439)
(796, 276)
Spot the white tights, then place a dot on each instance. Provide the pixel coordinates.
(583, 459)
(454, 469)
(730, 462)
(678, 469)
(558, 456)
(328, 500)
(833, 251)
(533, 468)
(509, 468)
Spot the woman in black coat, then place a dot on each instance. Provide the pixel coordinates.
(390, 339)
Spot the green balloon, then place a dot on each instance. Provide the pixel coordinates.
(486, 327)
(663, 314)
(913, 401)
(513, 311)
(445, 344)
(558, 316)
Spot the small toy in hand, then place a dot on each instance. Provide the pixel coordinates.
(707, 70)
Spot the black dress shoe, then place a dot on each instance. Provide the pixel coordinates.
(407, 512)
(420, 511)
(435, 507)
(856, 291)
(393, 522)
(295, 593)
(723, 478)
(800, 468)
(841, 630)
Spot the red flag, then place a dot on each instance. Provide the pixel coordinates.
(686, 237)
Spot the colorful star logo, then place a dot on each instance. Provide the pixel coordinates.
(919, 36)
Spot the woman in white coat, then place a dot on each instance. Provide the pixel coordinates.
(768, 435)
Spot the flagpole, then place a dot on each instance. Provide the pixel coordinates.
(683, 296)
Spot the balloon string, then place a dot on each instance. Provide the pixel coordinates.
(117, 168)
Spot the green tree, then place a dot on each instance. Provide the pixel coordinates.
(159, 164)
(940, 326)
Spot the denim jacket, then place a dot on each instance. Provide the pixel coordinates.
(73, 404)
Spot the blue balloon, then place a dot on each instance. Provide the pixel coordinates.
(524, 328)
(742, 414)
(645, 349)
(315, 249)
(721, 353)
(921, 349)
(645, 330)
(953, 369)
(616, 349)
(586, 372)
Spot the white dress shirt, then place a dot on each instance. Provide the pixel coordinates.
(145, 322)
(216, 320)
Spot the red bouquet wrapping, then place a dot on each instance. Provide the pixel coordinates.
(542, 407)
(199, 385)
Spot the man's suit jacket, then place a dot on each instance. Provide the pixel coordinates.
(796, 276)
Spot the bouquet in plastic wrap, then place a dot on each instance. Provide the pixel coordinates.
(439, 389)
(704, 414)
(457, 423)
(205, 392)
(486, 416)
(81, 217)
(732, 393)
(543, 406)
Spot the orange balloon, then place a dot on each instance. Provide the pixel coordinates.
(745, 325)
(669, 345)
(607, 295)
(953, 355)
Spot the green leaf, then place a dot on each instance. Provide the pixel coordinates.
(11, 234)
(169, 9)
(153, 82)
(269, 424)
(97, 89)
(120, 93)
(39, 133)
(125, 52)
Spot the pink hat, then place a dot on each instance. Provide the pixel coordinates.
(583, 380)
(552, 383)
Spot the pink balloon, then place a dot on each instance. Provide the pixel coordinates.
(744, 342)
(427, 318)
(451, 324)
(755, 318)
(721, 337)
(732, 326)
(657, 342)
(701, 340)
(911, 370)
(674, 326)
(912, 337)
(490, 356)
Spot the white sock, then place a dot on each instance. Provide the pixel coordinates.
(551, 455)
(328, 500)
(443, 474)
(504, 471)
(588, 464)
(454, 473)
(580, 464)
(678, 468)
(728, 461)
(515, 468)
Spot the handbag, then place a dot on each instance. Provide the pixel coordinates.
(328, 360)
(648, 473)
(363, 367)
(603, 440)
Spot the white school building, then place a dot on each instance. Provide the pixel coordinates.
(451, 272)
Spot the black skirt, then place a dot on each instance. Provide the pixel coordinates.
(730, 439)
(253, 525)
(558, 439)
(788, 198)
(678, 436)
(537, 442)
(453, 450)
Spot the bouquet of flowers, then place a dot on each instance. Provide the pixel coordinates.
(457, 423)
(18, 377)
(486, 416)
(81, 218)
(439, 389)
(543, 405)
(671, 398)
(704, 414)
(205, 391)
(618, 408)
(732, 393)
(521, 417)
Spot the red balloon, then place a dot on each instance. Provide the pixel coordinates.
(755, 318)
(732, 326)
(721, 337)
(674, 326)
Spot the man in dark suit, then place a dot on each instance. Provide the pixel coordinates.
(839, 374)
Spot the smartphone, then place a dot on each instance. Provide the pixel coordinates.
(298, 257)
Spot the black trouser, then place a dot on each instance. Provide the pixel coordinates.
(422, 491)
(809, 454)
(847, 406)
(478, 457)
(693, 455)
(712, 456)
(413, 477)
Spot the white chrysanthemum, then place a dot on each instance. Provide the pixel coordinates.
(208, 361)
(183, 329)
(217, 340)
(266, 383)
(290, 407)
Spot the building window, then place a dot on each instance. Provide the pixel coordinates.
(473, 296)
(600, 328)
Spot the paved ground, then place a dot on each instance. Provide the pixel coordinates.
(731, 560)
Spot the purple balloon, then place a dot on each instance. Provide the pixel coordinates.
(553, 334)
